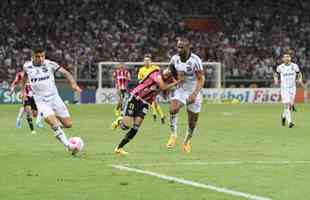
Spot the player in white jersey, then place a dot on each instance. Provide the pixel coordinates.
(40, 74)
(288, 71)
(188, 68)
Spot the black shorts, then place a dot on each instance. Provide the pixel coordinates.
(30, 102)
(134, 107)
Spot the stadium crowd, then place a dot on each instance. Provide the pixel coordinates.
(250, 39)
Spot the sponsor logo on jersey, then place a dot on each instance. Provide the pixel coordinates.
(39, 79)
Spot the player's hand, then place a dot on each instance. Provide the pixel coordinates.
(301, 83)
(192, 98)
(76, 88)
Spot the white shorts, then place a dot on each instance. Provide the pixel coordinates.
(181, 95)
(53, 105)
(288, 95)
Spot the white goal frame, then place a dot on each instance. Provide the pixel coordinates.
(217, 65)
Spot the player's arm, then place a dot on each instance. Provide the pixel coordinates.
(71, 80)
(164, 86)
(276, 78)
(300, 79)
(199, 85)
(16, 81)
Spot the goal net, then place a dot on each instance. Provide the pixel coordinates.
(107, 94)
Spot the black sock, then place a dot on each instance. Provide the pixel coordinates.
(29, 120)
(130, 134)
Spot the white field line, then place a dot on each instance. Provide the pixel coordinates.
(258, 162)
(192, 183)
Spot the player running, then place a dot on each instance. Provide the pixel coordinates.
(121, 77)
(188, 66)
(137, 103)
(288, 71)
(143, 72)
(40, 73)
(29, 107)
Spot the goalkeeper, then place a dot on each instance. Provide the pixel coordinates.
(144, 71)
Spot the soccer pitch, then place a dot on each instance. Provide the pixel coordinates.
(239, 152)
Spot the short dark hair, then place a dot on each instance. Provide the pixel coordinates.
(38, 50)
(148, 55)
(184, 39)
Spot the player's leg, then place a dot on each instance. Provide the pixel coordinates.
(36, 114)
(137, 121)
(178, 99)
(28, 111)
(154, 114)
(19, 117)
(118, 108)
(126, 107)
(192, 121)
(193, 111)
(160, 112)
(175, 106)
(135, 110)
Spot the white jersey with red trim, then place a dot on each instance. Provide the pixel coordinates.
(41, 78)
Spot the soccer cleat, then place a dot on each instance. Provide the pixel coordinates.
(163, 120)
(283, 121)
(291, 125)
(186, 148)
(154, 117)
(120, 151)
(18, 124)
(171, 142)
(33, 132)
(115, 124)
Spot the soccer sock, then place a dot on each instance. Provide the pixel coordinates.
(29, 120)
(60, 135)
(189, 135)
(20, 114)
(288, 115)
(130, 134)
(173, 124)
(153, 109)
(159, 111)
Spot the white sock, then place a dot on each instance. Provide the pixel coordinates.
(173, 124)
(288, 115)
(20, 114)
(60, 135)
(39, 118)
(189, 135)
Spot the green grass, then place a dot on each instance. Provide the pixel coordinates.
(37, 167)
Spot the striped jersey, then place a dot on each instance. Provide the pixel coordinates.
(121, 77)
(192, 65)
(18, 77)
(148, 88)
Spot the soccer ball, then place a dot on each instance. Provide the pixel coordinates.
(76, 143)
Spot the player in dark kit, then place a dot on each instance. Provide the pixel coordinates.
(137, 103)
